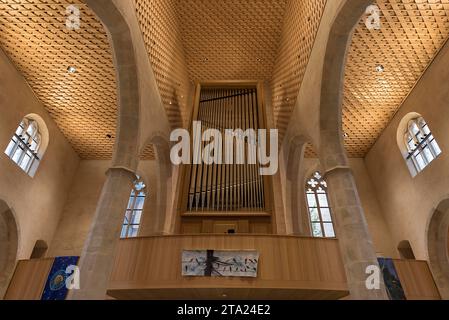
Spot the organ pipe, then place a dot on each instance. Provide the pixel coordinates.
(227, 187)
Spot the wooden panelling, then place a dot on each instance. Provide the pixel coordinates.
(289, 268)
(29, 279)
(300, 26)
(417, 280)
(232, 39)
(33, 33)
(216, 224)
(159, 24)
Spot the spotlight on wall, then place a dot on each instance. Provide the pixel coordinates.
(71, 69)
(380, 68)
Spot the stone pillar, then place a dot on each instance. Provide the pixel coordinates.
(356, 245)
(97, 257)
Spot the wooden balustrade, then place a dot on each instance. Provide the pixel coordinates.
(289, 268)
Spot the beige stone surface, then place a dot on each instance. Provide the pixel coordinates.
(97, 256)
(9, 241)
(408, 203)
(36, 202)
(82, 201)
(377, 224)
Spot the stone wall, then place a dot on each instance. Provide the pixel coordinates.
(408, 203)
(35, 202)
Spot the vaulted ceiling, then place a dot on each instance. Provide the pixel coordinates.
(412, 33)
(83, 104)
(231, 39)
(190, 40)
(301, 25)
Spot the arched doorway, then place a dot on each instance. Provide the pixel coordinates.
(437, 241)
(8, 246)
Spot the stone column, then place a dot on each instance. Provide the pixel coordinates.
(356, 245)
(97, 257)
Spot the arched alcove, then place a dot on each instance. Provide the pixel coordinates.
(294, 164)
(8, 246)
(296, 174)
(437, 241)
(155, 221)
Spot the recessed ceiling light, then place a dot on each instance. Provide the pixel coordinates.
(71, 69)
(380, 68)
(345, 135)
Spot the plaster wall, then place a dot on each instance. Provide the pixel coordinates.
(79, 210)
(35, 202)
(408, 203)
(376, 223)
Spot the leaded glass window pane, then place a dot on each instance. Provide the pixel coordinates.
(133, 215)
(319, 208)
(24, 145)
(421, 144)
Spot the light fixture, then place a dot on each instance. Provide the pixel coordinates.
(380, 68)
(345, 135)
(71, 69)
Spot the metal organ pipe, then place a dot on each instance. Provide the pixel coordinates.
(227, 187)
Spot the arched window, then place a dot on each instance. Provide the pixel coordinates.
(25, 144)
(134, 211)
(319, 208)
(421, 145)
